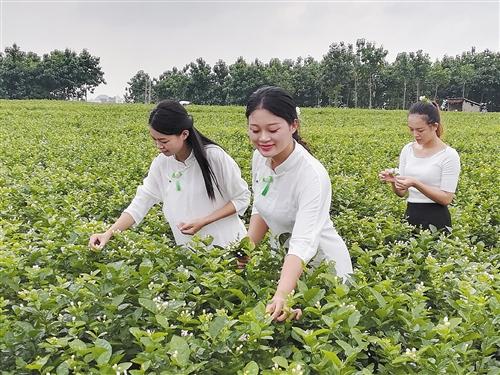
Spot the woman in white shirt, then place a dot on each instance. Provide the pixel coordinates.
(199, 184)
(428, 169)
(292, 193)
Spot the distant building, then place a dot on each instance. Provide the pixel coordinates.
(463, 105)
(107, 99)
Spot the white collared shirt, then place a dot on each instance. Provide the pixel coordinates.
(298, 201)
(440, 170)
(181, 188)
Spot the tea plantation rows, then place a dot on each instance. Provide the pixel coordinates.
(418, 303)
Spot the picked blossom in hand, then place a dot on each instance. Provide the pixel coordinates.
(394, 171)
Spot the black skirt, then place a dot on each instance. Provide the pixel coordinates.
(425, 214)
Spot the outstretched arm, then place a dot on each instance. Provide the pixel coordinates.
(257, 228)
(290, 273)
(99, 240)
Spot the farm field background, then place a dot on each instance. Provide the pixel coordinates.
(418, 302)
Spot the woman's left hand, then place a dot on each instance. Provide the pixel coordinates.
(404, 182)
(192, 227)
(279, 310)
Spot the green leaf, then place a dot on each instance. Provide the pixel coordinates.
(348, 349)
(380, 299)
(62, 369)
(216, 326)
(136, 332)
(105, 355)
(314, 295)
(145, 267)
(302, 286)
(354, 319)
(332, 356)
(148, 304)
(118, 300)
(163, 321)
(238, 293)
(38, 364)
(247, 245)
(77, 345)
(251, 368)
(281, 361)
(179, 350)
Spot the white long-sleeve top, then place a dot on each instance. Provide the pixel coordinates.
(181, 188)
(298, 201)
(440, 170)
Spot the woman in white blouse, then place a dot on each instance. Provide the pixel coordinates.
(428, 169)
(292, 193)
(199, 184)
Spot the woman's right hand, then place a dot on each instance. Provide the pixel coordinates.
(99, 240)
(279, 311)
(387, 175)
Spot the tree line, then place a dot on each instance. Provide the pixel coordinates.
(348, 75)
(57, 75)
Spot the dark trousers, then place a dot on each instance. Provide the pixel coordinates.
(425, 214)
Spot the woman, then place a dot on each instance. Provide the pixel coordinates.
(428, 169)
(292, 193)
(199, 184)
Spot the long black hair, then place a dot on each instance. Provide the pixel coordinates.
(169, 117)
(430, 109)
(279, 103)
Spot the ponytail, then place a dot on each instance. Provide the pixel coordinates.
(440, 128)
(198, 141)
(300, 141)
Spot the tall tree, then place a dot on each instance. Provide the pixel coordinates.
(243, 80)
(137, 90)
(465, 75)
(421, 65)
(438, 77)
(403, 72)
(19, 74)
(306, 77)
(372, 60)
(68, 75)
(89, 74)
(485, 87)
(337, 72)
(219, 91)
(200, 85)
(278, 73)
(172, 84)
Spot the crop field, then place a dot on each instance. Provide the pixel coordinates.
(418, 302)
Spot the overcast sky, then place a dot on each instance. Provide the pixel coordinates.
(157, 35)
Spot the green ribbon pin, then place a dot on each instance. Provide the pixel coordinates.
(176, 176)
(268, 181)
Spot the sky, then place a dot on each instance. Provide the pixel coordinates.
(156, 35)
